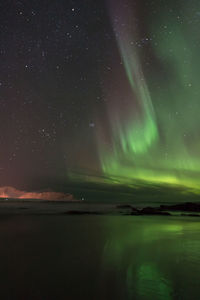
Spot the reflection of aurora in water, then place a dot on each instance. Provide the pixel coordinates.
(100, 257)
(150, 283)
(155, 258)
(155, 137)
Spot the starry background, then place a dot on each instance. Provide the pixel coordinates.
(60, 119)
(51, 54)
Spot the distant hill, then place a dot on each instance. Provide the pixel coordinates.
(11, 192)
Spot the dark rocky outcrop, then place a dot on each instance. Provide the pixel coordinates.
(149, 211)
(162, 210)
(153, 211)
(187, 206)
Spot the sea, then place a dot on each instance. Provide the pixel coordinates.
(99, 257)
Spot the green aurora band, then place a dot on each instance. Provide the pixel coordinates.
(159, 139)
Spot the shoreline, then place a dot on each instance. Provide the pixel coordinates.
(45, 207)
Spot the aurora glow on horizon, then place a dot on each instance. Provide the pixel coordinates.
(152, 127)
(157, 139)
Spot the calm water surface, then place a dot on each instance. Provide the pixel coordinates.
(99, 257)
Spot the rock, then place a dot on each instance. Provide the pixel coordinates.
(134, 209)
(187, 206)
(153, 211)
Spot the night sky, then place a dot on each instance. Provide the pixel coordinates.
(54, 55)
(100, 92)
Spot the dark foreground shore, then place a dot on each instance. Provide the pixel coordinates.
(37, 207)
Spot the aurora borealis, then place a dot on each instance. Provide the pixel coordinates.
(100, 93)
(100, 149)
(154, 134)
